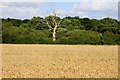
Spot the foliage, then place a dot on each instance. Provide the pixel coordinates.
(72, 23)
(80, 37)
(73, 30)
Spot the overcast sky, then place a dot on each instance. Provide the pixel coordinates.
(82, 8)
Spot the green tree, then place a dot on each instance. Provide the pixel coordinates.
(87, 23)
(96, 25)
(37, 23)
(109, 24)
(109, 38)
(72, 23)
(13, 22)
(80, 37)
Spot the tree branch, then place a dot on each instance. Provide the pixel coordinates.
(47, 22)
(48, 25)
(55, 23)
(59, 22)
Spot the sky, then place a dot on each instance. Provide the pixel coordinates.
(24, 9)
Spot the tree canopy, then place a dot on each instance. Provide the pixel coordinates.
(72, 30)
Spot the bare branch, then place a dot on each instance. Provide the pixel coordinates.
(48, 25)
(54, 13)
(47, 22)
(55, 23)
(59, 22)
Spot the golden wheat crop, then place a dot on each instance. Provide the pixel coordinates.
(59, 61)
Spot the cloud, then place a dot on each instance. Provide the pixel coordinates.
(85, 8)
(23, 4)
(25, 0)
(58, 0)
(95, 6)
(23, 9)
(14, 11)
(97, 9)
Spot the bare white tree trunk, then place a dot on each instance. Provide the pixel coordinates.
(54, 33)
(54, 36)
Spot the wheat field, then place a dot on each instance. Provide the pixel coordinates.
(59, 61)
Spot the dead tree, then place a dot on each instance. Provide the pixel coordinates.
(54, 23)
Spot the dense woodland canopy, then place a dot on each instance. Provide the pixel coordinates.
(72, 30)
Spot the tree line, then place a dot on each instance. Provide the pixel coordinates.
(71, 30)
